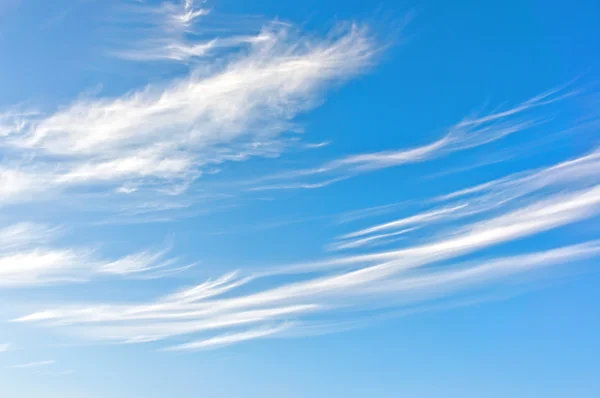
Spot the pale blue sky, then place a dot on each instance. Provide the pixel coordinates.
(291, 199)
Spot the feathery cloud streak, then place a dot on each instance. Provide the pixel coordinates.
(471, 132)
(173, 32)
(233, 110)
(29, 256)
(242, 102)
(392, 278)
(34, 364)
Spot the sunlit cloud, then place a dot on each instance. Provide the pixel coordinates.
(472, 132)
(168, 135)
(30, 255)
(30, 365)
(151, 151)
(397, 278)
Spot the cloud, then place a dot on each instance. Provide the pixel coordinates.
(469, 133)
(355, 215)
(482, 198)
(340, 287)
(209, 288)
(299, 185)
(33, 364)
(59, 266)
(236, 108)
(370, 240)
(17, 185)
(5, 347)
(24, 265)
(151, 145)
(145, 263)
(181, 33)
(408, 221)
(257, 91)
(231, 338)
(512, 187)
(28, 258)
(41, 267)
(161, 320)
(24, 234)
(465, 274)
(30, 255)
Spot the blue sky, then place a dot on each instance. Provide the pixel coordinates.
(291, 199)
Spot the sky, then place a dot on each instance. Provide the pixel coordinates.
(289, 199)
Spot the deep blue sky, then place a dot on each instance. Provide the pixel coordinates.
(325, 165)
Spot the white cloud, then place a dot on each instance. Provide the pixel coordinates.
(418, 219)
(209, 288)
(33, 267)
(17, 184)
(168, 135)
(175, 32)
(239, 104)
(582, 169)
(230, 338)
(251, 94)
(27, 258)
(144, 263)
(469, 133)
(162, 320)
(25, 234)
(493, 195)
(34, 364)
(400, 277)
(30, 255)
(369, 240)
(42, 266)
(473, 274)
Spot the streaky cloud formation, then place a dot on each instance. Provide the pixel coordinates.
(167, 27)
(471, 132)
(24, 234)
(145, 263)
(29, 256)
(228, 339)
(486, 197)
(402, 277)
(34, 364)
(188, 143)
(168, 135)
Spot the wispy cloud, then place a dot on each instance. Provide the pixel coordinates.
(403, 277)
(146, 149)
(30, 255)
(42, 266)
(145, 263)
(5, 347)
(355, 215)
(369, 240)
(17, 184)
(469, 133)
(165, 32)
(229, 339)
(417, 219)
(25, 234)
(511, 187)
(167, 136)
(34, 364)
(492, 195)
